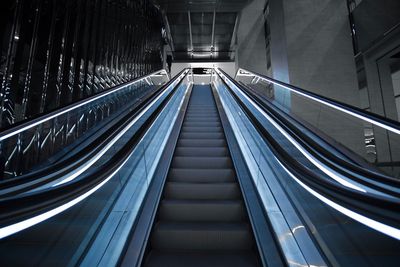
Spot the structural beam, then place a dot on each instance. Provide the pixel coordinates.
(190, 32)
(233, 39)
(213, 33)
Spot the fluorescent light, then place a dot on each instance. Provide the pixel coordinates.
(378, 226)
(16, 227)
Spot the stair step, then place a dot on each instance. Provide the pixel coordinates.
(201, 151)
(196, 112)
(202, 162)
(201, 236)
(202, 129)
(187, 191)
(238, 258)
(201, 116)
(202, 120)
(201, 175)
(202, 124)
(202, 211)
(201, 143)
(193, 135)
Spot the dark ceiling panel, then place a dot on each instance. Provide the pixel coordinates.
(178, 23)
(201, 5)
(195, 33)
(202, 24)
(224, 27)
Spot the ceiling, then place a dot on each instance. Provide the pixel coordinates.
(201, 30)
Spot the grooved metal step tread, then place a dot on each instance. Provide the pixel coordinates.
(201, 143)
(202, 162)
(239, 258)
(196, 117)
(192, 113)
(202, 129)
(202, 211)
(202, 236)
(193, 135)
(202, 120)
(202, 175)
(202, 151)
(201, 124)
(176, 190)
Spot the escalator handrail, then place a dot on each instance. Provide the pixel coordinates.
(69, 164)
(381, 209)
(17, 210)
(338, 164)
(371, 174)
(27, 124)
(378, 120)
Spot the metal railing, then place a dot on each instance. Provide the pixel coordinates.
(373, 137)
(25, 146)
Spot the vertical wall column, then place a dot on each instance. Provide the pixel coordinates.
(251, 50)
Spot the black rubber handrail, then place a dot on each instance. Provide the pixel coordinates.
(374, 206)
(18, 208)
(370, 178)
(19, 126)
(63, 167)
(313, 147)
(71, 162)
(381, 121)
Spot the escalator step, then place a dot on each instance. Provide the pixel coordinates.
(201, 259)
(201, 151)
(202, 124)
(202, 113)
(201, 175)
(202, 162)
(201, 218)
(201, 143)
(174, 190)
(202, 129)
(192, 135)
(202, 120)
(202, 236)
(202, 211)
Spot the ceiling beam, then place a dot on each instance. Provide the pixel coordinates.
(190, 32)
(200, 6)
(233, 40)
(168, 31)
(213, 33)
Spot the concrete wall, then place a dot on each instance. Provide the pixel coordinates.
(251, 51)
(310, 47)
(321, 59)
(319, 48)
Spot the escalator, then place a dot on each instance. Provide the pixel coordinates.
(207, 175)
(202, 219)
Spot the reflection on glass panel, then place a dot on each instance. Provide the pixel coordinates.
(341, 129)
(110, 209)
(341, 238)
(395, 69)
(33, 143)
